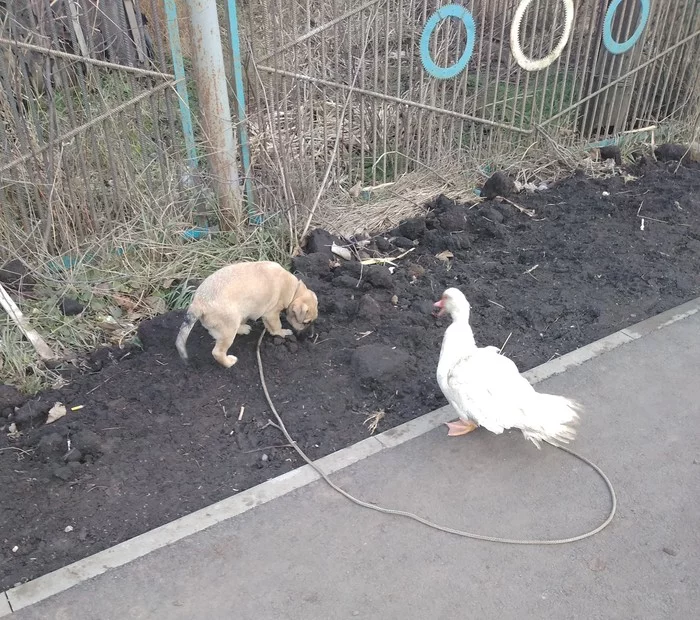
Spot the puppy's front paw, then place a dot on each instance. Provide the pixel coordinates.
(229, 361)
(244, 330)
(285, 333)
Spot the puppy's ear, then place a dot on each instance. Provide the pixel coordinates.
(299, 310)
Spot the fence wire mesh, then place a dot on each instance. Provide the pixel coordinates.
(342, 85)
(88, 129)
(337, 96)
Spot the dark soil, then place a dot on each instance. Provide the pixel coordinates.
(155, 440)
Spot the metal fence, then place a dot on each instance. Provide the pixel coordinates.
(89, 131)
(338, 94)
(368, 90)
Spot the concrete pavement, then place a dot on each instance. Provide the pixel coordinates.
(311, 554)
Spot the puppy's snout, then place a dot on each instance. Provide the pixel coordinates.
(306, 328)
(307, 331)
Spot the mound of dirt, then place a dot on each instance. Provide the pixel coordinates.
(156, 439)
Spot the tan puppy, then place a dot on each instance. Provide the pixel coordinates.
(243, 292)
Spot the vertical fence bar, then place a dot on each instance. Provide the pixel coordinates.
(181, 85)
(690, 50)
(660, 91)
(322, 72)
(385, 90)
(350, 108)
(375, 86)
(337, 98)
(239, 93)
(399, 91)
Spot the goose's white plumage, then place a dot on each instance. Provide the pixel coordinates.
(486, 389)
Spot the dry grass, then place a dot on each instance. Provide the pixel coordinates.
(383, 207)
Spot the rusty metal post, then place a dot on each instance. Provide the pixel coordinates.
(215, 112)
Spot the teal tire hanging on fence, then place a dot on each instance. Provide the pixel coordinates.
(451, 10)
(615, 47)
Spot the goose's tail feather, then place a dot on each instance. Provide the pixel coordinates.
(553, 419)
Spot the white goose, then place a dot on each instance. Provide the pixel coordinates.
(486, 389)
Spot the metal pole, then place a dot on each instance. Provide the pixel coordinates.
(240, 108)
(181, 86)
(214, 107)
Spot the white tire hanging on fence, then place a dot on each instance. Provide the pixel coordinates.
(516, 48)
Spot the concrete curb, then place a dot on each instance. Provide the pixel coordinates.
(64, 578)
(5, 609)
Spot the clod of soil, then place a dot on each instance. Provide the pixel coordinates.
(156, 439)
(70, 306)
(378, 364)
(411, 229)
(33, 413)
(611, 152)
(10, 397)
(16, 275)
(370, 310)
(676, 152)
(498, 184)
(321, 241)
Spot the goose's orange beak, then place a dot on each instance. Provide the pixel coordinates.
(441, 305)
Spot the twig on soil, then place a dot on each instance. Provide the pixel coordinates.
(495, 303)
(653, 219)
(529, 272)
(284, 445)
(505, 343)
(528, 212)
(17, 449)
(98, 386)
(552, 323)
(317, 341)
(271, 423)
(388, 260)
(240, 415)
(96, 486)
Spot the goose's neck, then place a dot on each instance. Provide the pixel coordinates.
(458, 340)
(460, 314)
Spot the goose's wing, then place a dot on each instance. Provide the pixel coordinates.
(487, 387)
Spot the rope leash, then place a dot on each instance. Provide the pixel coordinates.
(436, 526)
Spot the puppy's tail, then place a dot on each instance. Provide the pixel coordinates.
(185, 329)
